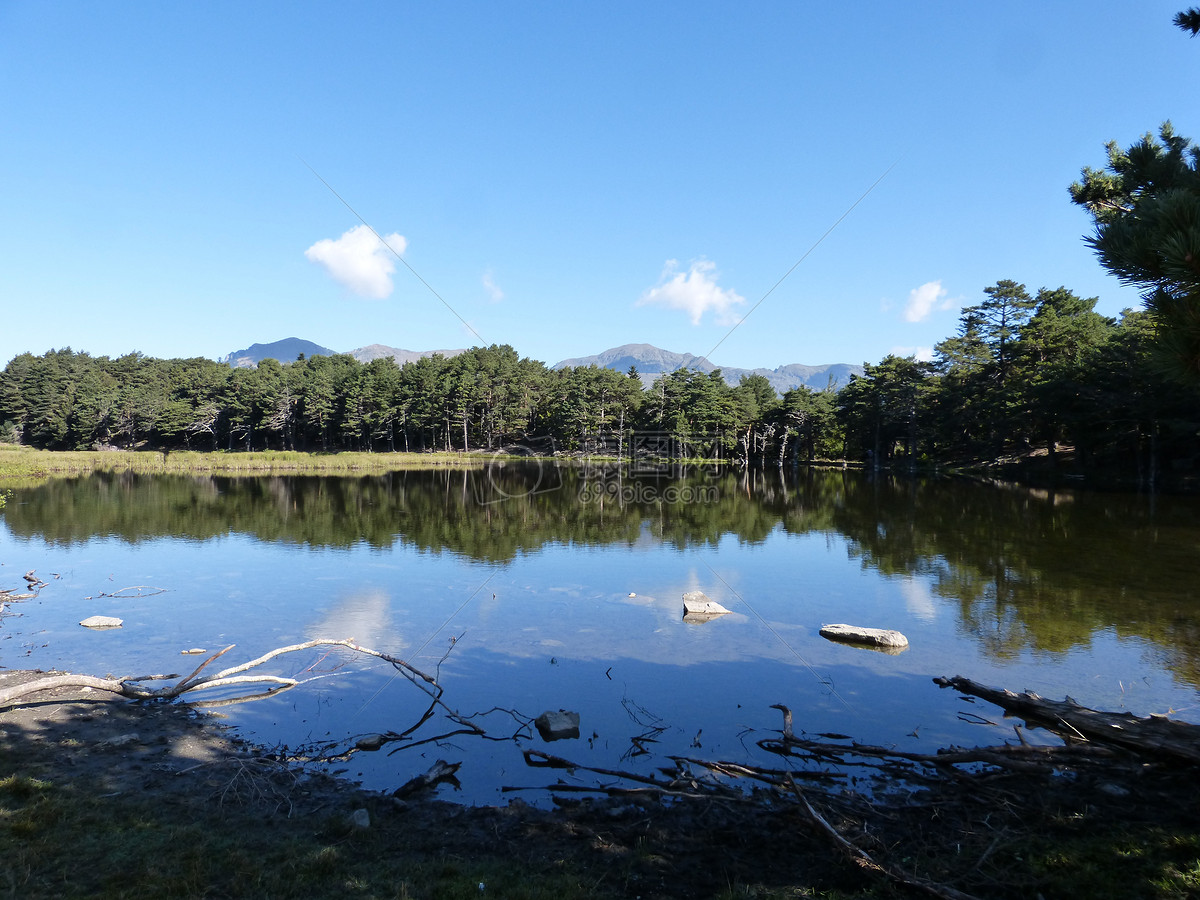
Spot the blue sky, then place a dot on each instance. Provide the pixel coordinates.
(566, 177)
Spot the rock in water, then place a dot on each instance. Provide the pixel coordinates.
(698, 608)
(369, 742)
(556, 726)
(881, 638)
(102, 622)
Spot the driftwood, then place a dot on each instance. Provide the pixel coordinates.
(138, 591)
(440, 772)
(860, 857)
(130, 686)
(1156, 736)
(33, 584)
(683, 785)
(906, 764)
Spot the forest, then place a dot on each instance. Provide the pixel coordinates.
(1025, 375)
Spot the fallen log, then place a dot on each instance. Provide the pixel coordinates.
(440, 772)
(1154, 735)
(129, 686)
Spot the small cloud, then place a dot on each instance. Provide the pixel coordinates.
(918, 599)
(922, 354)
(359, 260)
(924, 300)
(694, 291)
(489, 284)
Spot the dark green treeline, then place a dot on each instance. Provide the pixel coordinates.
(1025, 376)
(487, 398)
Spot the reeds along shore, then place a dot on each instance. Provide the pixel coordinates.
(22, 463)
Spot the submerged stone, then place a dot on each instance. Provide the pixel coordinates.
(369, 742)
(877, 638)
(557, 726)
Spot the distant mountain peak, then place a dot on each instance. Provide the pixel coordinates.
(379, 351)
(648, 359)
(289, 349)
(651, 361)
(285, 351)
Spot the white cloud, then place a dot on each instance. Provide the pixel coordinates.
(694, 291)
(924, 300)
(923, 354)
(359, 261)
(489, 284)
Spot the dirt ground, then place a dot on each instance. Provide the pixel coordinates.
(975, 833)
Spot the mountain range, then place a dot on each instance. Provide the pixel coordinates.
(650, 362)
(290, 348)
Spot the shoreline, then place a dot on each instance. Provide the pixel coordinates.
(85, 774)
(24, 467)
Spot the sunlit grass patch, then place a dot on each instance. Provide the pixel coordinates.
(24, 467)
(1114, 861)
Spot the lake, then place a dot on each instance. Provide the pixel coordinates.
(527, 588)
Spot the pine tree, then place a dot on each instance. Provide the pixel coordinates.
(1189, 20)
(1146, 209)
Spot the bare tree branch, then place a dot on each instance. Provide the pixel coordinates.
(129, 687)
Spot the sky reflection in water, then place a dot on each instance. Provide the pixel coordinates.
(569, 607)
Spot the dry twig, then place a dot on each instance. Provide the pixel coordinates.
(864, 859)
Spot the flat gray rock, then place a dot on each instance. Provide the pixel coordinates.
(881, 638)
(697, 607)
(102, 622)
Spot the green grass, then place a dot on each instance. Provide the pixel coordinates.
(57, 841)
(62, 839)
(23, 466)
(1114, 861)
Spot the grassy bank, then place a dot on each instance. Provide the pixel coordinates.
(23, 463)
(60, 839)
(101, 797)
(64, 836)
